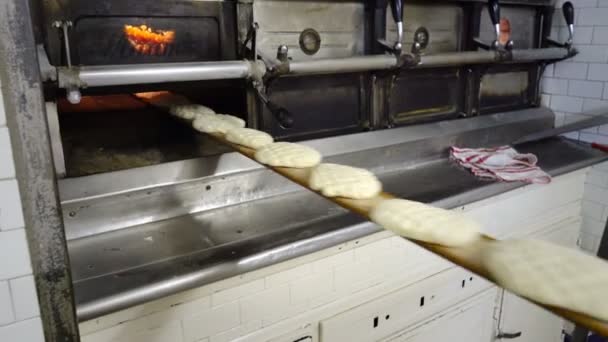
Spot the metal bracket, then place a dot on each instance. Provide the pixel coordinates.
(72, 91)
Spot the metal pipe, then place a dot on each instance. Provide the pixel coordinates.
(109, 75)
(531, 55)
(342, 65)
(457, 59)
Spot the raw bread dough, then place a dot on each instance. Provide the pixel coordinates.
(288, 155)
(423, 222)
(212, 124)
(550, 274)
(190, 111)
(237, 122)
(334, 180)
(249, 137)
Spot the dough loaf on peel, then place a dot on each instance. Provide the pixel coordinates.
(237, 122)
(550, 274)
(212, 124)
(190, 111)
(288, 155)
(334, 180)
(249, 137)
(423, 222)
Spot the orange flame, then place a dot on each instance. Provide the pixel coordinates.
(147, 41)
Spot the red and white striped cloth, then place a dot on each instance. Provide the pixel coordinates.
(502, 163)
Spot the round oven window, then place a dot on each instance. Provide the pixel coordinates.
(310, 41)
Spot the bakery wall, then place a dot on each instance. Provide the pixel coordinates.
(580, 85)
(19, 313)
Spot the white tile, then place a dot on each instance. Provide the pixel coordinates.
(591, 53)
(602, 3)
(597, 177)
(7, 167)
(25, 331)
(269, 302)
(593, 226)
(590, 89)
(236, 292)
(600, 35)
(6, 304)
(592, 16)
(593, 138)
(554, 86)
(218, 319)
(2, 113)
(329, 263)
(548, 71)
(237, 332)
(598, 72)
(25, 297)
(11, 216)
(582, 35)
(582, 3)
(589, 242)
(605, 91)
(14, 255)
(568, 104)
(128, 332)
(545, 100)
(590, 105)
(311, 287)
(593, 210)
(571, 70)
(603, 129)
(286, 276)
(596, 194)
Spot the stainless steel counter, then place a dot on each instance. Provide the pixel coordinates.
(142, 234)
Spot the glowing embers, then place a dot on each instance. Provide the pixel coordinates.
(148, 41)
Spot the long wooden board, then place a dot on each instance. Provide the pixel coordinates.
(468, 256)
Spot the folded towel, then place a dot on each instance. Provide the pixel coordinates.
(502, 163)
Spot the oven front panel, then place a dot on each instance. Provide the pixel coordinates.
(506, 89)
(443, 22)
(320, 105)
(337, 27)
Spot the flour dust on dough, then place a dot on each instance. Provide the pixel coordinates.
(426, 223)
(288, 155)
(550, 274)
(212, 124)
(190, 111)
(249, 137)
(335, 180)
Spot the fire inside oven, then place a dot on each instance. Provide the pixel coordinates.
(126, 40)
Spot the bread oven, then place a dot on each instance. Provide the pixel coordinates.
(152, 208)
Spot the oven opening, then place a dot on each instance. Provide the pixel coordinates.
(117, 131)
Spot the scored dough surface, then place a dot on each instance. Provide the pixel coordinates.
(423, 222)
(249, 137)
(190, 111)
(334, 180)
(212, 124)
(550, 274)
(288, 155)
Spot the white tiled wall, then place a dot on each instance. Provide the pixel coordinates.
(19, 313)
(580, 85)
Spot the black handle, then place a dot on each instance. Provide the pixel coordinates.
(508, 336)
(494, 11)
(283, 117)
(568, 11)
(397, 10)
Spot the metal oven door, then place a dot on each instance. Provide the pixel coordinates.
(508, 88)
(421, 95)
(114, 32)
(320, 105)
